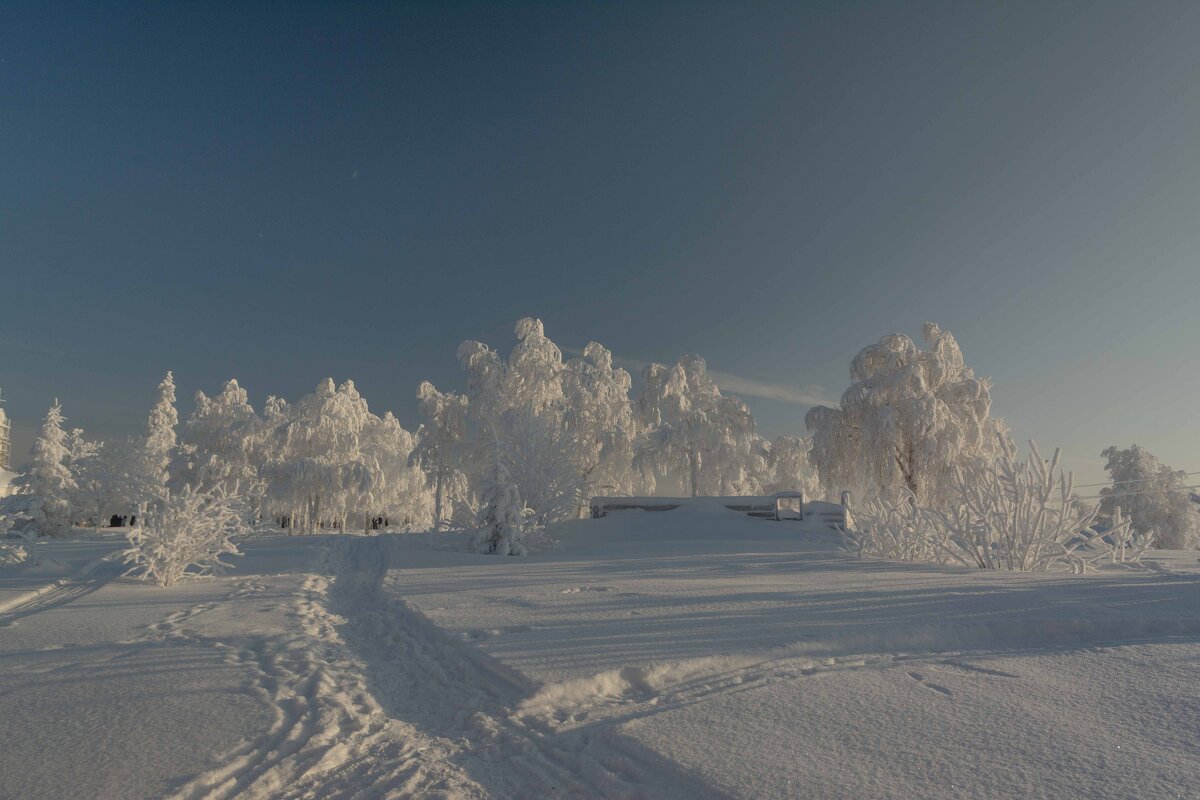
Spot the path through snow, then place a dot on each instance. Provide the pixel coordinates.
(370, 699)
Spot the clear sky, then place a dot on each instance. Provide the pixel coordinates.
(285, 191)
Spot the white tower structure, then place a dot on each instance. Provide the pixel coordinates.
(5, 440)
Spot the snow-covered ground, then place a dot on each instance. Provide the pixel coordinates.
(685, 654)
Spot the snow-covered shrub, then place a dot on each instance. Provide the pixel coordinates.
(1127, 546)
(1009, 514)
(1023, 515)
(19, 515)
(187, 530)
(503, 519)
(12, 553)
(900, 530)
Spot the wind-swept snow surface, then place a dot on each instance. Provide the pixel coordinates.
(686, 654)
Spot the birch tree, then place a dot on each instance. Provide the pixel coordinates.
(909, 418)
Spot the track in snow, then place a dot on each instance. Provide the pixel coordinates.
(62, 592)
(370, 699)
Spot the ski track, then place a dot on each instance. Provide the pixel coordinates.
(619, 695)
(63, 591)
(372, 700)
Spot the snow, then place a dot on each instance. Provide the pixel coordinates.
(692, 653)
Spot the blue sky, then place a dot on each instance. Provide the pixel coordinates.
(280, 192)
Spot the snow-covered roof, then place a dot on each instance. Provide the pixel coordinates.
(648, 500)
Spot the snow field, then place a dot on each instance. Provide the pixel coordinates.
(688, 654)
(772, 665)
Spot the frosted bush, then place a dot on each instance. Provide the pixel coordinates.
(505, 522)
(186, 531)
(19, 515)
(900, 530)
(1008, 514)
(12, 553)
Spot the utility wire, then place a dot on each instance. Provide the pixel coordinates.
(1138, 480)
(1133, 494)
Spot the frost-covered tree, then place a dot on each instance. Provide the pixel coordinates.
(88, 467)
(50, 475)
(330, 460)
(440, 448)
(188, 530)
(909, 418)
(529, 380)
(535, 370)
(314, 470)
(160, 433)
(502, 517)
(519, 406)
(703, 441)
(1154, 497)
(599, 421)
(789, 469)
(540, 460)
(119, 475)
(218, 443)
(399, 490)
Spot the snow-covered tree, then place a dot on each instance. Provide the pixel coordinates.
(218, 443)
(50, 475)
(598, 418)
(910, 418)
(186, 530)
(160, 434)
(439, 449)
(535, 370)
(695, 436)
(313, 445)
(117, 477)
(89, 470)
(789, 468)
(540, 460)
(399, 491)
(330, 460)
(1154, 497)
(544, 416)
(502, 517)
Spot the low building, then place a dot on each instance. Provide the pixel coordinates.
(778, 506)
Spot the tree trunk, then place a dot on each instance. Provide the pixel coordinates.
(694, 460)
(438, 498)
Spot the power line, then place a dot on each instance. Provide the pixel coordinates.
(1129, 494)
(1139, 480)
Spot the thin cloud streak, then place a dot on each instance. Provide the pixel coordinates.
(800, 395)
(810, 395)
